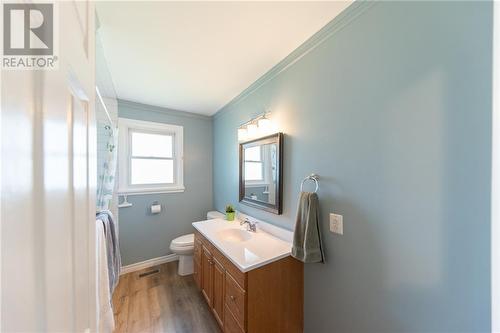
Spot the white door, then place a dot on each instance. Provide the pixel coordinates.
(48, 186)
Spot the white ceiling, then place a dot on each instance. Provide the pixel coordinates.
(197, 56)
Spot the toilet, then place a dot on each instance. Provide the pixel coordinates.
(183, 246)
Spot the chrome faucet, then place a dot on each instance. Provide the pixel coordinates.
(250, 226)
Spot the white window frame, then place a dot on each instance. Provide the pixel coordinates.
(260, 182)
(126, 127)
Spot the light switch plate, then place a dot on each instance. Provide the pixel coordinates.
(336, 224)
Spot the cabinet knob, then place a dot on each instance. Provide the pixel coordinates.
(232, 298)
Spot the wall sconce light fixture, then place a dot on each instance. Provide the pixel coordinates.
(256, 127)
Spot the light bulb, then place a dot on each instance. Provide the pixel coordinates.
(242, 134)
(264, 126)
(252, 130)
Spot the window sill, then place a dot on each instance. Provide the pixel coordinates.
(256, 184)
(144, 191)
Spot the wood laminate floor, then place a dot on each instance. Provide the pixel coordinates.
(161, 302)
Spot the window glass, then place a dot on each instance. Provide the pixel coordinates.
(151, 145)
(151, 171)
(253, 154)
(253, 171)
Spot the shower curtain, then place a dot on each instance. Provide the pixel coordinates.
(106, 178)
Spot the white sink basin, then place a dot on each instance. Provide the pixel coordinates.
(234, 235)
(247, 250)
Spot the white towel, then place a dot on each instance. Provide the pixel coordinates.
(106, 318)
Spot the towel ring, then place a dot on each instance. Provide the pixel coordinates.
(313, 177)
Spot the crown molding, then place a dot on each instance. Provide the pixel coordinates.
(331, 28)
(162, 110)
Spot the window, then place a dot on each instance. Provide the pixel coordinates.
(253, 164)
(151, 158)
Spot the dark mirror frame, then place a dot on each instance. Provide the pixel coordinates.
(278, 207)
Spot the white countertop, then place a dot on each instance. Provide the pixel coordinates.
(255, 250)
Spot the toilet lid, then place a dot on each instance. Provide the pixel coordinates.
(185, 240)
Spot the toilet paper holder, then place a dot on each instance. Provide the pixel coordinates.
(155, 208)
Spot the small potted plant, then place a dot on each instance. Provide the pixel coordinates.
(230, 213)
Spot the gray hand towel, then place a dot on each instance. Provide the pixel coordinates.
(306, 238)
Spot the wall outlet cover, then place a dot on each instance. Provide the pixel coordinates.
(336, 224)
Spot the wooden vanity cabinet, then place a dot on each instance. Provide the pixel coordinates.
(266, 299)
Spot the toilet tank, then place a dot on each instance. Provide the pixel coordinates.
(215, 215)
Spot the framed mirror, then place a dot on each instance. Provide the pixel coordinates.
(261, 172)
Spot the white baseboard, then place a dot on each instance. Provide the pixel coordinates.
(148, 263)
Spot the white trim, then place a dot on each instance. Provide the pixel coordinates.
(158, 109)
(151, 191)
(256, 184)
(148, 263)
(125, 125)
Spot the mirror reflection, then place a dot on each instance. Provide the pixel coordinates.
(260, 183)
(260, 173)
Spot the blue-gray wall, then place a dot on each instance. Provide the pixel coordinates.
(145, 236)
(393, 111)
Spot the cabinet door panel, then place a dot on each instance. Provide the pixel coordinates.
(206, 275)
(218, 292)
(197, 249)
(230, 324)
(197, 273)
(197, 261)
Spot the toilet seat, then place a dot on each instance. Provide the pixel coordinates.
(183, 245)
(184, 241)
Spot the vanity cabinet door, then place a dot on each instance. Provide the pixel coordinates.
(197, 249)
(206, 275)
(218, 291)
(197, 273)
(197, 263)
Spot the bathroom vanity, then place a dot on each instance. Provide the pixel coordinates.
(248, 279)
